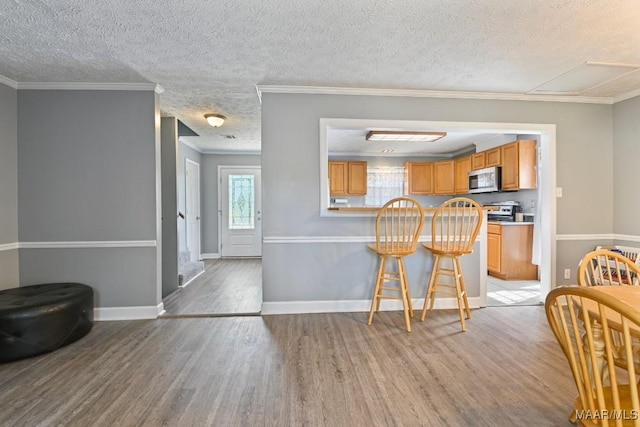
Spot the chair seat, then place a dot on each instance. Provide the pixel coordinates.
(437, 249)
(626, 405)
(373, 247)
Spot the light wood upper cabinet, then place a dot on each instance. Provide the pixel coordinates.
(357, 178)
(420, 177)
(519, 165)
(478, 160)
(444, 177)
(337, 178)
(493, 157)
(461, 179)
(347, 178)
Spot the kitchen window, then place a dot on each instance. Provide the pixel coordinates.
(383, 184)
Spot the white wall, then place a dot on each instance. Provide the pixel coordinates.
(291, 199)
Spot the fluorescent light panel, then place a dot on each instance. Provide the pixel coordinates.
(407, 136)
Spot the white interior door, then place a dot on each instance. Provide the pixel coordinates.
(240, 207)
(192, 206)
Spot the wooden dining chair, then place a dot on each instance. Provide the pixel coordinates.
(583, 320)
(398, 227)
(605, 267)
(454, 228)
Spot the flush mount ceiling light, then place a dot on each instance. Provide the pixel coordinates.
(215, 120)
(409, 136)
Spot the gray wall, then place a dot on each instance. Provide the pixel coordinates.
(87, 173)
(184, 153)
(9, 276)
(209, 172)
(169, 141)
(626, 156)
(290, 173)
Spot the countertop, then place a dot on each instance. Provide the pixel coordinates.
(375, 209)
(508, 223)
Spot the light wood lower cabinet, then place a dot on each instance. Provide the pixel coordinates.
(509, 250)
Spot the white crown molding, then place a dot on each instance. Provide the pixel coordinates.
(102, 314)
(190, 145)
(9, 246)
(89, 244)
(86, 86)
(626, 96)
(7, 81)
(232, 153)
(416, 93)
(351, 306)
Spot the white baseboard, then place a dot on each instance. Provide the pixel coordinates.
(300, 307)
(102, 314)
(191, 280)
(209, 256)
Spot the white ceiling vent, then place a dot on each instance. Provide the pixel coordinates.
(584, 77)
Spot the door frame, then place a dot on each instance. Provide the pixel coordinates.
(199, 209)
(220, 168)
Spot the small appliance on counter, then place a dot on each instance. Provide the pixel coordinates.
(506, 211)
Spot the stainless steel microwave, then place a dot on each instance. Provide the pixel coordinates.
(485, 180)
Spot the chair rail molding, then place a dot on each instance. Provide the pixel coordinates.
(90, 244)
(9, 246)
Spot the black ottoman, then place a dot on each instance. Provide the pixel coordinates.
(41, 318)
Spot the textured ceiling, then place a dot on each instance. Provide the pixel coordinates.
(210, 55)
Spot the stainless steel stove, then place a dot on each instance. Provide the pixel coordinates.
(506, 211)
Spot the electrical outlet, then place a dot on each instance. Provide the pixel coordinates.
(567, 273)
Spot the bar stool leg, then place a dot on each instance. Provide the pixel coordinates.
(404, 290)
(375, 301)
(464, 289)
(457, 278)
(429, 299)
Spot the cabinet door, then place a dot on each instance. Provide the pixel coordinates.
(461, 180)
(357, 178)
(510, 167)
(420, 177)
(478, 160)
(493, 157)
(527, 163)
(337, 178)
(444, 177)
(494, 251)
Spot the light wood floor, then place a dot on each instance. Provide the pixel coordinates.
(299, 370)
(227, 287)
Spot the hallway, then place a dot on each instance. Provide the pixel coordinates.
(228, 287)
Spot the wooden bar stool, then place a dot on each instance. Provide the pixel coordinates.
(398, 226)
(454, 228)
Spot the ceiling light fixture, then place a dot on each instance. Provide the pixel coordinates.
(215, 120)
(409, 136)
